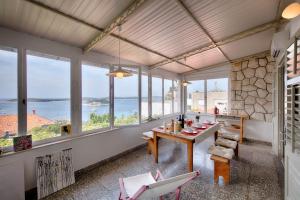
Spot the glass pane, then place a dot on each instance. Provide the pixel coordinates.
(95, 98)
(176, 96)
(126, 100)
(195, 96)
(156, 97)
(217, 95)
(8, 97)
(168, 96)
(145, 113)
(48, 96)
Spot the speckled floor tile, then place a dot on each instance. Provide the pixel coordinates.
(253, 174)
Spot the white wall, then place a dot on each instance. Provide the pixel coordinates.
(87, 150)
(258, 130)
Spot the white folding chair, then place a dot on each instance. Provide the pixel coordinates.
(145, 186)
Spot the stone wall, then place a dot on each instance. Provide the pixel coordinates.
(251, 88)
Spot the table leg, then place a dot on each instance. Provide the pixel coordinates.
(190, 152)
(155, 148)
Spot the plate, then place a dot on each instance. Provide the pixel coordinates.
(193, 132)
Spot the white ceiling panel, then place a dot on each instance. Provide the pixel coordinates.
(249, 45)
(176, 67)
(162, 26)
(206, 58)
(110, 46)
(26, 17)
(97, 12)
(224, 18)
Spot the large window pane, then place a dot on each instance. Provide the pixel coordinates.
(217, 95)
(176, 96)
(8, 97)
(145, 112)
(95, 98)
(48, 93)
(126, 100)
(156, 97)
(168, 95)
(195, 96)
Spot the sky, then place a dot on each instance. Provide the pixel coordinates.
(50, 78)
(211, 85)
(8, 74)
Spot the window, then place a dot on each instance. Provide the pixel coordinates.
(95, 98)
(8, 97)
(145, 99)
(156, 97)
(126, 101)
(217, 95)
(195, 96)
(48, 95)
(176, 96)
(168, 96)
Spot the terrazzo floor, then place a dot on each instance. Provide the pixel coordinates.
(253, 175)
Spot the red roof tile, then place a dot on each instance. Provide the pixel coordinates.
(9, 123)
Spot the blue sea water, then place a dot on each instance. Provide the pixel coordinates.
(60, 110)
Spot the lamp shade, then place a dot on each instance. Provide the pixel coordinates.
(291, 11)
(120, 73)
(185, 83)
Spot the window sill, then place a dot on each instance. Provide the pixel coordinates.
(61, 139)
(56, 140)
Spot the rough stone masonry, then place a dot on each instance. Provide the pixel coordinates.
(251, 88)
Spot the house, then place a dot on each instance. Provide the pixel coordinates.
(9, 124)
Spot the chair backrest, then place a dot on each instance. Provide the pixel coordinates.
(167, 185)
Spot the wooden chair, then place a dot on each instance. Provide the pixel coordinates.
(145, 186)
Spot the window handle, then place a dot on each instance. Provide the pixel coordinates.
(24, 101)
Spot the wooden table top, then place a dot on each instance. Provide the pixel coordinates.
(203, 134)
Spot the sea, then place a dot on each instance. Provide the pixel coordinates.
(60, 110)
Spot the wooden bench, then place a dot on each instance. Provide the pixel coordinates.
(150, 145)
(148, 136)
(221, 168)
(229, 144)
(232, 126)
(221, 157)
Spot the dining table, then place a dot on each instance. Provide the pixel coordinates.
(197, 136)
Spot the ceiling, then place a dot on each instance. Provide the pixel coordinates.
(157, 31)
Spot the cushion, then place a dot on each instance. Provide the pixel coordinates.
(226, 143)
(134, 183)
(148, 134)
(229, 134)
(221, 151)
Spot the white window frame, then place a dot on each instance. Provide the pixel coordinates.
(205, 95)
(81, 132)
(76, 64)
(139, 103)
(24, 53)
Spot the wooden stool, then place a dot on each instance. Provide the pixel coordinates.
(221, 168)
